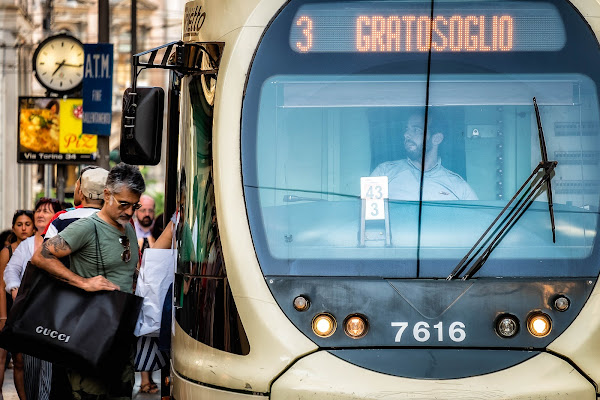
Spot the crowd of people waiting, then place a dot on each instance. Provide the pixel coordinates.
(35, 379)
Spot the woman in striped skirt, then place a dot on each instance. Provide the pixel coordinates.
(38, 373)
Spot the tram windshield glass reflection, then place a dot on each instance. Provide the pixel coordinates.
(315, 135)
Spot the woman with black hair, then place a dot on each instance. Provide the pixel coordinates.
(7, 237)
(38, 373)
(22, 228)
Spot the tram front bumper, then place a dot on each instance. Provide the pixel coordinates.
(323, 376)
(184, 389)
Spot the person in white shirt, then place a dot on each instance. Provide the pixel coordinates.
(404, 176)
(38, 373)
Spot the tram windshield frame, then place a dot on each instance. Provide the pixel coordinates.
(315, 123)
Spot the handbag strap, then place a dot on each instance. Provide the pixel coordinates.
(99, 252)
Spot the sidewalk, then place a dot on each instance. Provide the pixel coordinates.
(9, 392)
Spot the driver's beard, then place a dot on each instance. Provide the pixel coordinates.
(415, 156)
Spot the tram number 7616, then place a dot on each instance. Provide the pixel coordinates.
(422, 333)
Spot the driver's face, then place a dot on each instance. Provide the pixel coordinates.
(413, 137)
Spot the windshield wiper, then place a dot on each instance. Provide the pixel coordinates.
(525, 195)
(546, 172)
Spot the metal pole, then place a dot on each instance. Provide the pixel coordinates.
(133, 27)
(103, 37)
(103, 21)
(61, 180)
(48, 173)
(133, 36)
(48, 168)
(47, 22)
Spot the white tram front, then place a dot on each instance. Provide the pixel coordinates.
(325, 253)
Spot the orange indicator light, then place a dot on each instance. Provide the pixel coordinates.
(356, 326)
(539, 324)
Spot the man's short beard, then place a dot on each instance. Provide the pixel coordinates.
(123, 222)
(146, 222)
(416, 155)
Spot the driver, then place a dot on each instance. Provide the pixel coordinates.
(404, 176)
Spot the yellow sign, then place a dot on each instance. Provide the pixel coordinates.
(50, 131)
(39, 128)
(72, 140)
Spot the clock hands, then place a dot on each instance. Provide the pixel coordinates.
(60, 64)
(72, 65)
(63, 63)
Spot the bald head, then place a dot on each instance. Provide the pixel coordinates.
(145, 215)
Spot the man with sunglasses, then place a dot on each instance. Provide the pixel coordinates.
(103, 252)
(88, 197)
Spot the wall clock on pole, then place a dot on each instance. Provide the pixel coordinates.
(58, 63)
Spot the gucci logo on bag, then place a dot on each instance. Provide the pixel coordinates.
(53, 334)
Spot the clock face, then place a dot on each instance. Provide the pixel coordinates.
(58, 63)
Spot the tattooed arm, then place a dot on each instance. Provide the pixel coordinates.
(47, 258)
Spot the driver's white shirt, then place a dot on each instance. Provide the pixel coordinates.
(439, 183)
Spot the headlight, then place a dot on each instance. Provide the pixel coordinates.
(356, 326)
(507, 326)
(323, 325)
(539, 324)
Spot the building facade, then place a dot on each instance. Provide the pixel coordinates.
(23, 25)
(17, 30)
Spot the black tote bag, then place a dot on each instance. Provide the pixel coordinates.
(65, 325)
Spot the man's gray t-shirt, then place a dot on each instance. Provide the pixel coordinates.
(439, 183)
(85, 259)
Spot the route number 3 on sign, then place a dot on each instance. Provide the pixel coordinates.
(374, 190)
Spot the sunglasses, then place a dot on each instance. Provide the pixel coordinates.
(124, 205)
(126, 254)
(50, 200)
(18, 213)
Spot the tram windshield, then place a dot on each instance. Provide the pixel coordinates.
(398, 174)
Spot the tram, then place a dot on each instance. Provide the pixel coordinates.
(381, 198)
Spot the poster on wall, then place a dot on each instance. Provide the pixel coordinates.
(50, 131)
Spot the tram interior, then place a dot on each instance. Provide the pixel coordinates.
(318, 136)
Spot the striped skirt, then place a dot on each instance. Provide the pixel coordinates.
(38, 378)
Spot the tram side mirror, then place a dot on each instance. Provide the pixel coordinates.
(142, 125)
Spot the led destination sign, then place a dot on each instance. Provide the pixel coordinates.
(371, 28)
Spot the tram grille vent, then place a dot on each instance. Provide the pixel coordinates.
(585, 128)
(576, 187)
(577, 157)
